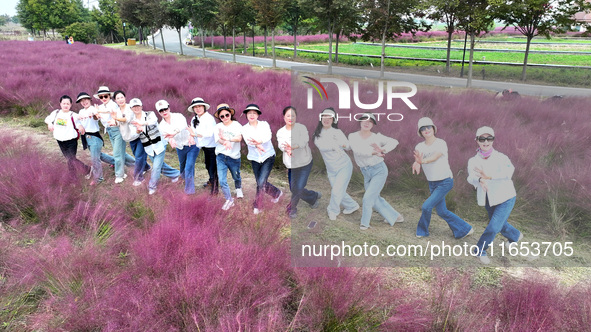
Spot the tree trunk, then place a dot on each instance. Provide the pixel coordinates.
(233, 44)
(529, 38)
(153, 40)
(162, 37)
(450, 31)
(273, 46)
(329, 47)
(141, 37)
(211, 38)
(202, 42)
(336, 49)
(265, 33)
(295, 40)
(382, 57)
(224, 32)
(180, 40)
(469, 82)
(244, 40)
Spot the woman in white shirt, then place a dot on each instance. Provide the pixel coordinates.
(293, 141)
(228, 135)
(201, 127)
(146, 124)
(89, 120)
(66, 128)
(431, 155)
(261, 153)
(332, 143)
(174, 129)
(490, 173)
(369, 150)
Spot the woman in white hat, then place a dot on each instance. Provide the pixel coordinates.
(89, 120)
(490, 173)
(332, 143)
(146, 124)
(369, 150)
(293, 141)
(119, 158)
(201, 127)
(432, 156)
(227, 135)
(174, 128)
(66, 128)
(261, 153)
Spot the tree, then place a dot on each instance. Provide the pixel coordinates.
(65, 12)
(34, 14)
(448, 12)
(539, 17)
(348, 22)
(4, 19)
(85, 32)
(108, 19)
(177, 16)
(325, 11)
(293, 15)
(270, 14)
(203, 13)
(477, 17)
(386, 19)
(229, 12)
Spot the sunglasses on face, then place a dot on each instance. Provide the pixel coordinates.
(104, 97)
(225, 115)
(482, 139)
(423, 128)
(163, 110)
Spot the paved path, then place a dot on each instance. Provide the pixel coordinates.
(172, 45)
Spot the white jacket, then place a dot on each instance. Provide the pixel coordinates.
(500, 169)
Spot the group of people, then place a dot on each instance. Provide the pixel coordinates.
(489, 171)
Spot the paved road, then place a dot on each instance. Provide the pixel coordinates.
(172, 45)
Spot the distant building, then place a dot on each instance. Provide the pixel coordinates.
(583, 17)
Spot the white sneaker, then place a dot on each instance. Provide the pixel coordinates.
(346, 211)
(137, 183)
(469, 233)
(399, 219)
(332, 216)
(275, 200)
(228, 204)
(151, 191)
(239, 193)
(484, 259)
(119, 180)
(256, 211)
(87, 176)
(364, 228)
(175, 180)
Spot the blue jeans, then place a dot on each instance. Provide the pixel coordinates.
(339, 181)
(225, 163)
(261, 174)
(118, 150)
(187, 157)
(158, 167)
(298, 178)
(141, 159)
(95, 145)
(439, 190)
(129, 160)
(498, 215)
(69, 149)
(374, 179)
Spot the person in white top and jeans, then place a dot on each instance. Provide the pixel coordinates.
(228, 135)
(293, 141)
(174, 128)
(369, 150)
(66, 128)
(89, 119)
(261, 153)
(490, 172)
(431, 155)
(332, 143)
(201, 127)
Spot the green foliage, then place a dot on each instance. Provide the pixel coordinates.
(141, 214)
(4, 19)
(15, 308)
(108, 19)
(82, 32)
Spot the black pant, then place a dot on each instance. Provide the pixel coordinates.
(211, 166)
(69, 149)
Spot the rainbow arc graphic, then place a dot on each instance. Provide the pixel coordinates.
(316, 88)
